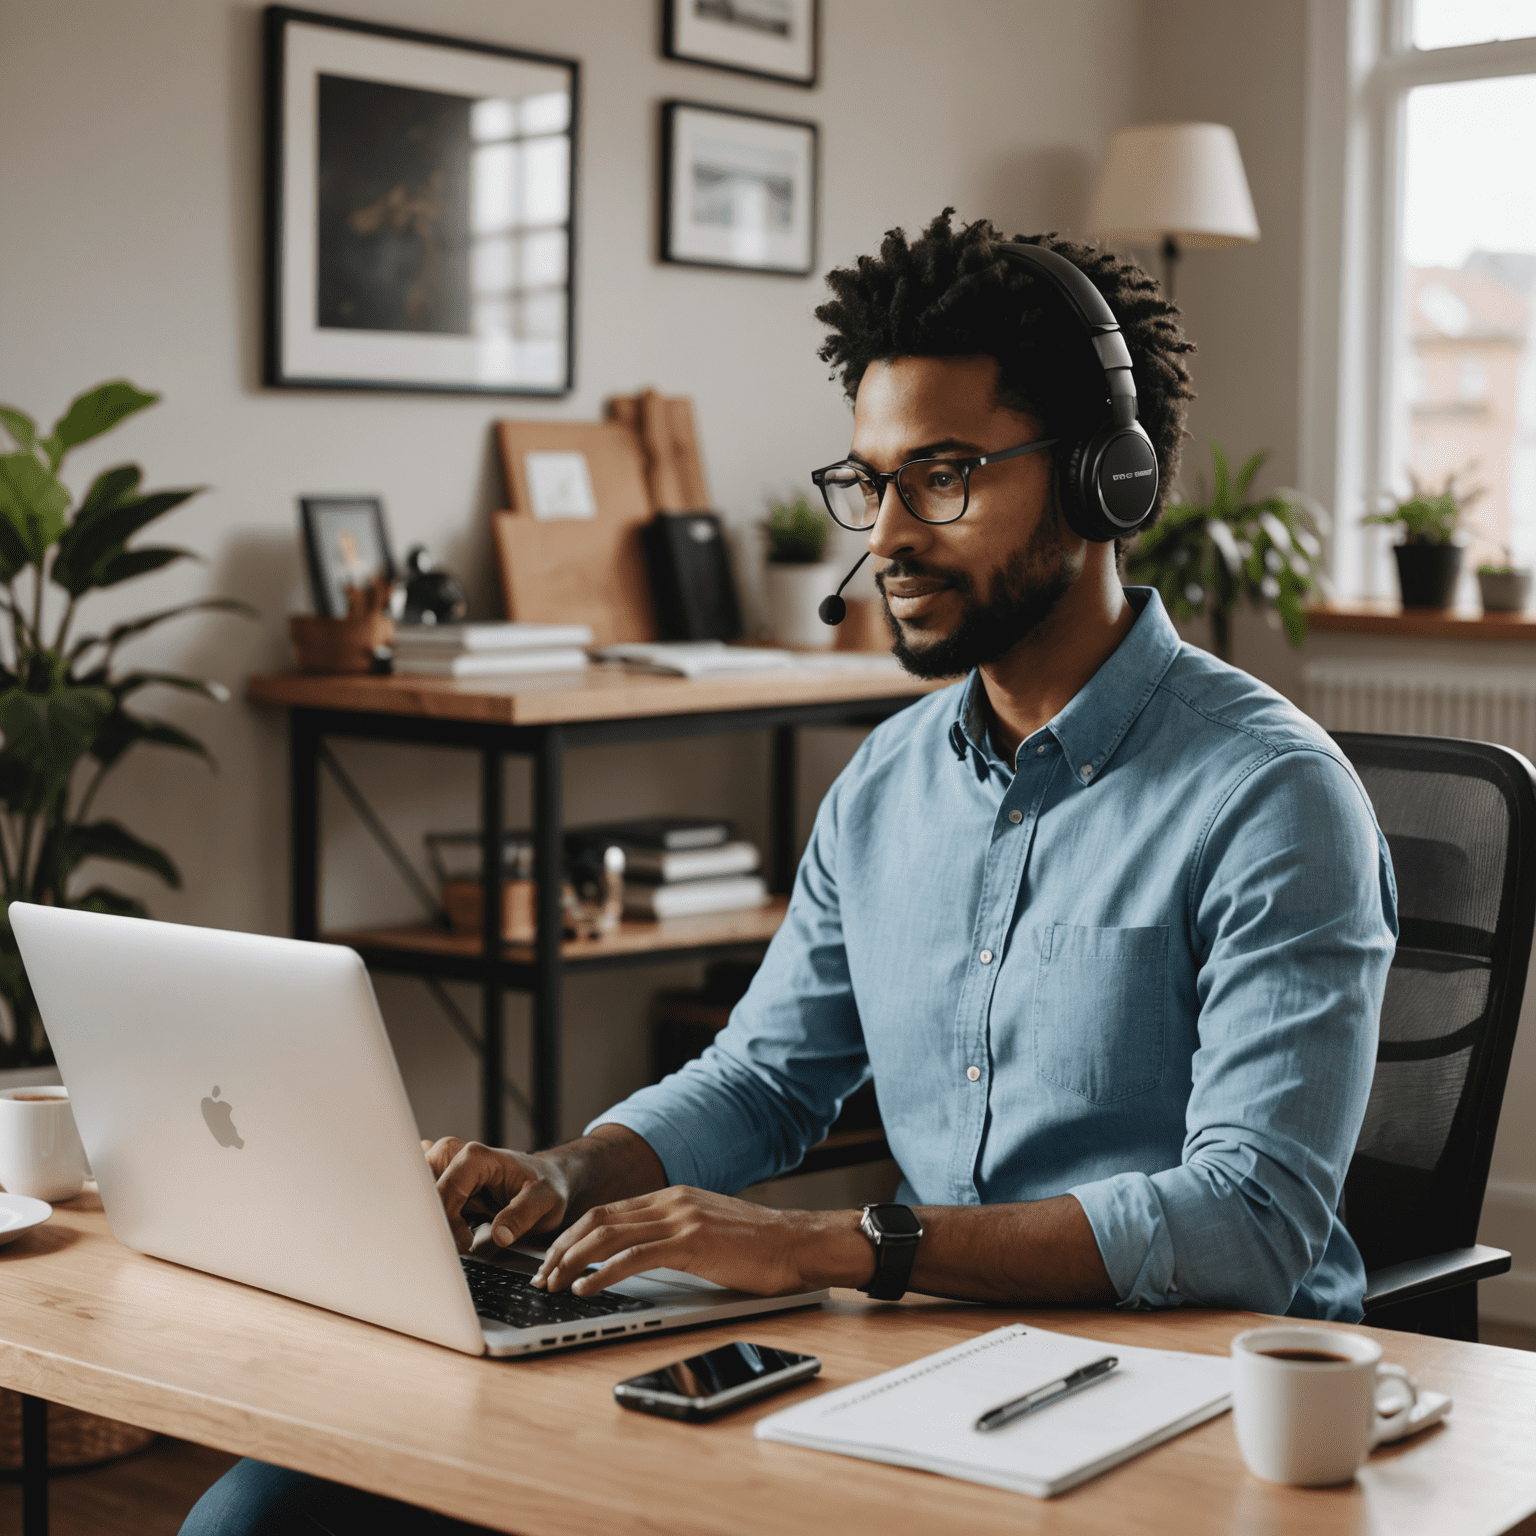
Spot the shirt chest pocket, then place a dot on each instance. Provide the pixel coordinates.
(1100, 1017)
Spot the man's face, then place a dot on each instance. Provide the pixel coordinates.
(959, 595)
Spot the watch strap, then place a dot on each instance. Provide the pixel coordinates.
(895, 1253)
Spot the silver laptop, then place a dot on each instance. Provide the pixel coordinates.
(243, 1114)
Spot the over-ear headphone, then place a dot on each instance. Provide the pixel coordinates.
(1108, 481)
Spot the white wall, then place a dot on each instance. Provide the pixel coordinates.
(131, 246)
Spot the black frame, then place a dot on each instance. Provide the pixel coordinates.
(312, 510)
(275, 19)
(965, 466)
(669, 111)
(669, 50)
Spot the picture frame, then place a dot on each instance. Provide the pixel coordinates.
(420, 200)
(738, 190)
(772, 39)
(346, 542)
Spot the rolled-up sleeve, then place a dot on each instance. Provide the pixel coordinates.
(775, 1078)
(1293, 910)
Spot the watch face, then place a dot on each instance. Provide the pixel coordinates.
(895, 1220)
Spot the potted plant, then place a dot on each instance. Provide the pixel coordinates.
(1505, 588)
(1428, 558)
(1207, 555)
(64, 699)
(798, 576)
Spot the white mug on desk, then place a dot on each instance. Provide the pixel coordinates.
(1307, 1403)
(40, 1151)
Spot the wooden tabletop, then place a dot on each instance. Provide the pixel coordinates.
(538, 1446)
(599, 693)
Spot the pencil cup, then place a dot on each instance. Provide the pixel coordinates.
(1307, 1403)
(40, 1151)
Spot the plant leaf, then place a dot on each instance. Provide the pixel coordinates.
(89, 415)
(20, 426)
(108, 489)
(138, 562)
(115, 636)
(48, 733)
(32, 503)
(91, 545)
(101, 898)
(111, 840)
(131, 683)
(121, 730)
(1247, 472)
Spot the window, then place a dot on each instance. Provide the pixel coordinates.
(1432, 365)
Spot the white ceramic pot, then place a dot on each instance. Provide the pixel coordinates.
(794, 593)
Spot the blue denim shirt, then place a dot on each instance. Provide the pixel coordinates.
(1144, 965)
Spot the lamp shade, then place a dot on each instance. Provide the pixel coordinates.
(1179, 179)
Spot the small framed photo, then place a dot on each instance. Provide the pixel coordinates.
(738, 190)
(420, 210)
(348, 546)
(776, 39)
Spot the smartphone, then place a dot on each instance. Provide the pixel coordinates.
(705, 1386)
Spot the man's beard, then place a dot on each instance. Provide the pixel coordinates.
(1024, 592)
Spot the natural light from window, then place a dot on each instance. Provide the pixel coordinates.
(1456, 23)
(1465, 395)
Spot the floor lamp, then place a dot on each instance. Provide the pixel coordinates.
(1176, 186)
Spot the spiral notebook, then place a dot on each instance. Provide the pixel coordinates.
(923, 1415)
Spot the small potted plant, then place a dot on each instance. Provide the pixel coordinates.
(1428, 557)
(1505, 588)
(798, 575)
(1207, 556)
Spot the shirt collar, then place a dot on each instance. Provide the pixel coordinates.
(1097, 717)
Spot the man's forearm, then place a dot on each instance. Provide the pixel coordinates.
(612, 1163)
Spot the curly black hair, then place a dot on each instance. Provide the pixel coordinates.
(946, 295)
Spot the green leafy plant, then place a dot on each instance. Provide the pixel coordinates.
(1429, 516)
(797, 532)
(1207, 555)
(64, 712)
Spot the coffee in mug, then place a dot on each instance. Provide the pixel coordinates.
(40, 1150)
(1308, 1403)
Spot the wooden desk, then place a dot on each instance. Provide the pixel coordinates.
(539, 717)
(539, 1447)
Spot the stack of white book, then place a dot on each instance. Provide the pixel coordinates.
(681, 866)
(490, 650)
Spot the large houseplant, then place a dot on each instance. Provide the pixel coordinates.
(1208, 555)
(64, 712)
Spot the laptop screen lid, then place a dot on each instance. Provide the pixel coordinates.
(243, 1114)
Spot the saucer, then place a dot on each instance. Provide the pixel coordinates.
(20, 1213)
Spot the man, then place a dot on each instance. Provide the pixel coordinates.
(1108, 921)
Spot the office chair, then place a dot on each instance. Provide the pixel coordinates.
(1460, 818)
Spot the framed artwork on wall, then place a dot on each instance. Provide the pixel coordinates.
(738, 190)
(776, 39)
(420, 210)
(347, 545)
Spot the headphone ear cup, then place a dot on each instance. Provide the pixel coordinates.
(1112, 480)
(1075, 505)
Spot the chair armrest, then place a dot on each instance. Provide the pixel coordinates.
(1439, 1272)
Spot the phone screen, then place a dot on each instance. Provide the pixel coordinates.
(718, 1370)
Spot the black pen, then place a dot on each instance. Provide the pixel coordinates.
(1084, 1376)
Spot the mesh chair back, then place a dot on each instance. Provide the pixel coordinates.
(1460, 818)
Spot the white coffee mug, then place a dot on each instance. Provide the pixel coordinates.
(40, 1151)
(1307, 1402)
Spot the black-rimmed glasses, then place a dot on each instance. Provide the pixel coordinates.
(932, 490)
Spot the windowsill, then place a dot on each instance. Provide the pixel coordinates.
(1376, 617)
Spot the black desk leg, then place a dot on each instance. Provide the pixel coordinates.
(781, 808)
(492, 859)
(304, 825)
(34, 1466)
(549, 864)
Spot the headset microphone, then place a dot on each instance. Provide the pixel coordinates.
(833, 609)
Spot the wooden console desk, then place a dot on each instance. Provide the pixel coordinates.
(539, 1447)
(539, 717)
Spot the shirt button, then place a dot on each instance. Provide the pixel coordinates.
(1015, 817)
(1040, 751)
(1087, 770)
(974, 1073)
(986, 957)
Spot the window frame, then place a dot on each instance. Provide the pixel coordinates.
(1361, 65)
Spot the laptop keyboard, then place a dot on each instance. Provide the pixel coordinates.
(505, 1296)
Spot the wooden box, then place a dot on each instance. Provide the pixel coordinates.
(462, 900)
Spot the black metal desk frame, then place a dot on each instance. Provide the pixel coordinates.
(493, 969)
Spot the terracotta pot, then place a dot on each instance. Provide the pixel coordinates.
(1426, 574)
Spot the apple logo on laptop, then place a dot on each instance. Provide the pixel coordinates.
(217, 1113)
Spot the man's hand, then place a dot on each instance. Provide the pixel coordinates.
(523, 1192)
(732, 1242)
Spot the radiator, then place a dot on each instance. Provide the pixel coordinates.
(1421, 698)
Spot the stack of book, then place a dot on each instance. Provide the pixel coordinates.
(680, 866)
(489, 650)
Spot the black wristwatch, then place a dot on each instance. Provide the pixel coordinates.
(894, 1230)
